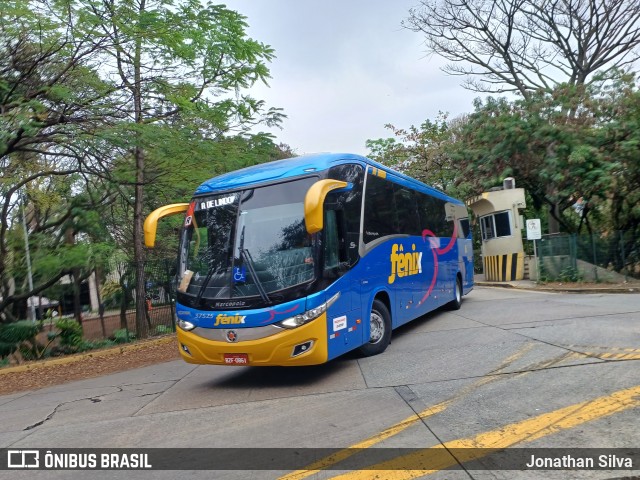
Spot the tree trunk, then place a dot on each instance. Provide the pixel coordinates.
(142, 329)
(554, 225)
(69, 238)
(77, 308)
(124, 301)
(98, 272)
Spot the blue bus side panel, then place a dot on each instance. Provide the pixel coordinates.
(345, 325)
(416, 274)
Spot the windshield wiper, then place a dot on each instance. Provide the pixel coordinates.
(249, 261)
(246, 256)
(207, 279)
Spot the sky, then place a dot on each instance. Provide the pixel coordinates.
(344, 69)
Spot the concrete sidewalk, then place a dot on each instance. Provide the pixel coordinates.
(629, 287)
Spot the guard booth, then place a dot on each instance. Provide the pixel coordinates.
(501, 224)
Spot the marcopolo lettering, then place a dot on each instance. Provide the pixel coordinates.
(218, 202)
(404, 264)
(223, 319)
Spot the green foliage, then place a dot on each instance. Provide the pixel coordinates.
(103, 343)
(163, 330)
(570, 275)
(122, 335)
(70, 333)
(86, 346)
(421, 152)
(21, 336)
(555, 145)
(7, 347)
(574, 149)
(72, 121)
(18, 332)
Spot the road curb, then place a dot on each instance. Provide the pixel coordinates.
(561, 289)
(84, 356)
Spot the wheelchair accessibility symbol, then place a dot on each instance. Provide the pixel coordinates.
(239, 274)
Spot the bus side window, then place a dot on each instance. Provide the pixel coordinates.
(406, 209)
(379, 209)
(465, 228)
(349, 206)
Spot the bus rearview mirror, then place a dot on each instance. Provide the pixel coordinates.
(151, 222)
(314, 201)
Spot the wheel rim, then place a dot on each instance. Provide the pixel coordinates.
(377, 327)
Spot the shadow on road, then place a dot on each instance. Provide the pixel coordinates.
(252, 377)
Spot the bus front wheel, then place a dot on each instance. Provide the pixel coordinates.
(379, 328)
(456, 303)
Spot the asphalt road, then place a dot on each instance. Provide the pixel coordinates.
(510, 369)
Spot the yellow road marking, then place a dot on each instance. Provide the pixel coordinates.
(616, 356)
(343, 454)
(404, 424)
(429, 460)
(407, 422)
(605, 347)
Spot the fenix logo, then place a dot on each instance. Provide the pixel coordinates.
(404, 264)
(223, 319)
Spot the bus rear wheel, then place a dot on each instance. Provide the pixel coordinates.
(379, 328)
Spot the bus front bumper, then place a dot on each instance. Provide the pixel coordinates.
(305, 345)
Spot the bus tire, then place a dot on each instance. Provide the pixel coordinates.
(456, 303)
(380, 330)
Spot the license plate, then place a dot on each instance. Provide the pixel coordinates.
(236, 358)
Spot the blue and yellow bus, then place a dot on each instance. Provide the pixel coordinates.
(298, 261)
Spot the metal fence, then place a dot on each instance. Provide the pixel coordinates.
(117, 314)
(611, 257)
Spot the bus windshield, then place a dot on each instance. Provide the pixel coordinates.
(247, 243)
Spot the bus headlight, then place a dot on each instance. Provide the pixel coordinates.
(183, 324)
(299, 320)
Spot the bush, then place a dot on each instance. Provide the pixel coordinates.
(21, 336)
(70, 333)
(123, 336)
(571, 275)
(163, 330)
(86, 345)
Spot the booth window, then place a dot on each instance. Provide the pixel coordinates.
(496, 225)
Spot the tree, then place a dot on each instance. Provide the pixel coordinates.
(421, 152)
(530, 46)
(51, 104)
(619, 143)
(102, 102)
(181, 66)
(524, 46)
(560, 160)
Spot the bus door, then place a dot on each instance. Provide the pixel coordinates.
(344, 322)
(465, 250)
